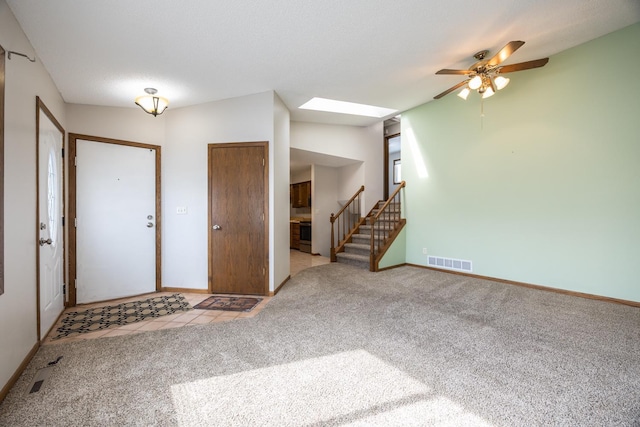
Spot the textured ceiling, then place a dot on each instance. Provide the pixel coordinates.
(368, 51)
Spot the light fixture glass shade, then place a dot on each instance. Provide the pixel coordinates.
(475, 82)
(501, 82)
(487, 93)
(154, 105)
(464, 93)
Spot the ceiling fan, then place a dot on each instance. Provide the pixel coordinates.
(485, 75)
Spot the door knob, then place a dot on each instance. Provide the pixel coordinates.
(217, 227)
(45, 242)
(149, 225)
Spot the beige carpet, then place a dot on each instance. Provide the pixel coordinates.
(342, 346)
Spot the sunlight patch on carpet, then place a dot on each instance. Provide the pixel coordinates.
(351, 387)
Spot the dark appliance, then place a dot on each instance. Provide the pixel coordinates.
(305, 237)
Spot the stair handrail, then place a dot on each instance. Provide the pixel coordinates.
(347, 226)
(360, 190)
(388, 229)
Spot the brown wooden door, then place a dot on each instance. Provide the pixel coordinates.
(238, 222)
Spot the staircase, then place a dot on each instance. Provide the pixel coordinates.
(365, 244)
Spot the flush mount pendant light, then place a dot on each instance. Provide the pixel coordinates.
(154, 105)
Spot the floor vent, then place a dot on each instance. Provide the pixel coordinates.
(450, 263)
(41, 376)
(39, 379)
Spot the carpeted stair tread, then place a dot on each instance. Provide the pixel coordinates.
(354, 257)
(364, 236)
(358, 248)
(391, 209)
(355, 260)
(363, 239)
(383, 218)
(357, 252)
(366, 228)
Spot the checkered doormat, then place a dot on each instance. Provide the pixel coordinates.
(94, 319)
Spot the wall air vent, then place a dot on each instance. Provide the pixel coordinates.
(450, 263)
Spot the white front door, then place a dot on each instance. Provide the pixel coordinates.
(116, 220)
(50, 213)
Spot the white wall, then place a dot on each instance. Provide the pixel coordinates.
(350, 179)
(23, 82)
(128, 124)
(301, 176)
(359, 143)
(188, 132)
(324, 182)
(392, 129)
(280, 260)
(184, 134)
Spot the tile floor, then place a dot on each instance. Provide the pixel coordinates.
(299, 262)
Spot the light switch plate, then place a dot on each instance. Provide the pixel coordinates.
(181, 210)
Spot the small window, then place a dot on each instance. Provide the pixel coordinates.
(52, 196)
(397, 172)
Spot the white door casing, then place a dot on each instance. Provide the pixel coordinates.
(50, 213)
(116, 220)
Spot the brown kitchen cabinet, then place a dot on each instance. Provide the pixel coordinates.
(295, 236)
(301, 195)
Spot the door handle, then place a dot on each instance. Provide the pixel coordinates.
(217, 227)
(45, 242)
(149, 225)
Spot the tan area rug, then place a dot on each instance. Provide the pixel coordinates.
(94, 319)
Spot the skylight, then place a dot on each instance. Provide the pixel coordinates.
(343, 107)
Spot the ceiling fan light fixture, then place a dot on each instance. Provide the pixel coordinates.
(151, 104)
(487, 93)
(484, 75)
(464, 93)
(501, 82)
(475, 82)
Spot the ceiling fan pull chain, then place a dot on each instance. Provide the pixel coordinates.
(481, 113)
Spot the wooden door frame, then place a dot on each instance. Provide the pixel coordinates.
(2, 80)
(73, 137)
(265, 146)
(386, 164)
(42, 108)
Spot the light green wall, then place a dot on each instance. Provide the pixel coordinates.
(546, 188)
(396, 254)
